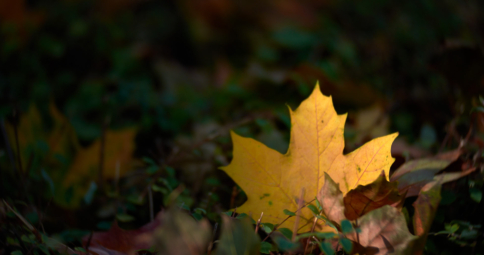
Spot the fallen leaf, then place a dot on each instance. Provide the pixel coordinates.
(370, 197)
(119, 241)
(60, 139)
(56, 148)
(425, 208)
(118, 149)
(180, 234)
(331, 200)
(238, 237)
(415, 174)
(384, 229)
(273, 181)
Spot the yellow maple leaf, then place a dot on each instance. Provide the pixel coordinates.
(118, 153)
(68, 164)
(273, 182)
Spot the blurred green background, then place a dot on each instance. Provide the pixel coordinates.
(157, 85)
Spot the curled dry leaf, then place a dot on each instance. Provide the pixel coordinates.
(425, 208)
(415, 174)
(384, 229)
(273, 181)
(180, 234)
(331, 200)
(367, 198)
(119, 241)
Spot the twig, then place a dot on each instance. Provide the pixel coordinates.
(298, 214)
(210, 246)
(312, 230)
(258, 223)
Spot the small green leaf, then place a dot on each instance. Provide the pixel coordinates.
(157, 188)
(152, 169)
(17, 252)
(183, 206)
(228, 213)
(170, 171)
(201, 211)
(327, 221)
(90, 193)
(197, 216)
(268, 227)
(241, 216)
(265, 247)
(468, 234)
(104, 225)
(27, 239)
(286, 232)
(346, 226)
(284, 244)
(123, 217)
(326, 247)
(149, 161)
(313, 209)
(476, 194)
(320, 208)
(347, 244)
(287, 212)
(451, 228)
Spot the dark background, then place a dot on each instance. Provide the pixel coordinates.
(181, 74)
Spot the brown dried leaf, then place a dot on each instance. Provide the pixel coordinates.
(330, 198)
(384, 229)
(370, 197)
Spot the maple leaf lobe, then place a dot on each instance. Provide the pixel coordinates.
(316, 147)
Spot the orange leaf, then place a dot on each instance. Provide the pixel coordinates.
(367, 198)
(273, 181)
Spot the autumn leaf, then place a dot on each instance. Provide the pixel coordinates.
(118, 156)
(122, 241)
(367, 198)
(56, 148)
(331, 200)
(180, 234)
(385, 229)
(415, 174)
(35, 140)
(425, 208)
(273, 181)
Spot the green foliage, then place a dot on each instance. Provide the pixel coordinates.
(185, 74)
